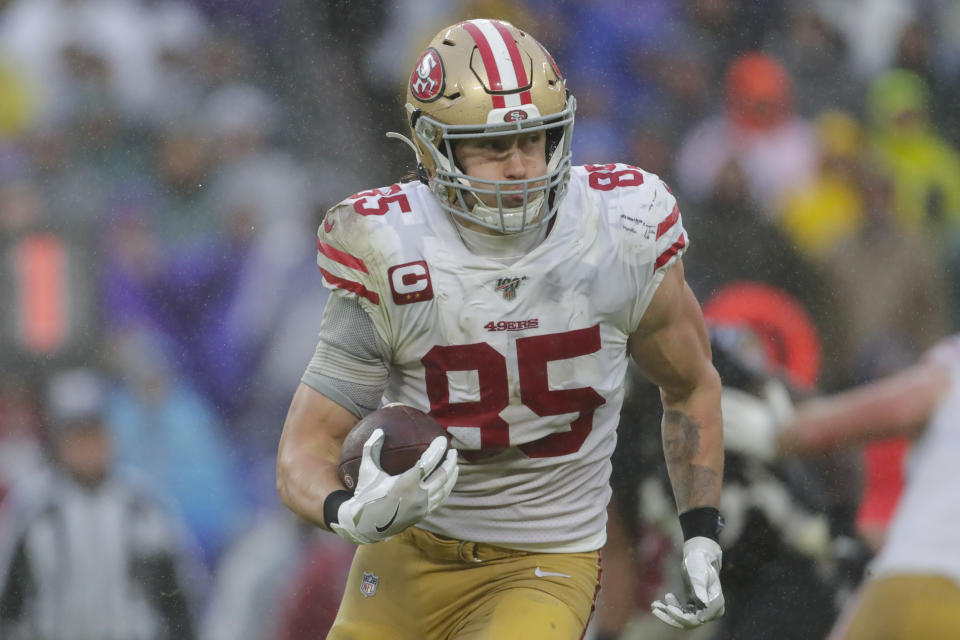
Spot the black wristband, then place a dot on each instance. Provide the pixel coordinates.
(701, 521)
(331, 505)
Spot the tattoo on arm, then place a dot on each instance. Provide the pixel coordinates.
(681, 437)
(692, 483)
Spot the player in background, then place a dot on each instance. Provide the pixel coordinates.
(502, 293)
(913, 591)
(785, 519)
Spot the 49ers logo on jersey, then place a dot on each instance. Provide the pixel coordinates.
(410, 282)
(426, 82)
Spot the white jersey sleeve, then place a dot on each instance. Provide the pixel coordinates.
(922, 538)
(645, 218)
(353, 241)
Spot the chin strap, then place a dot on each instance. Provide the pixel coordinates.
(509, 220)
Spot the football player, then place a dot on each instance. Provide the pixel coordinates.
(502, 293)
(783, 583)
(914, 587)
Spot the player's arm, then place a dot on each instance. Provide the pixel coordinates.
(309, 449)
(672, 348)
(899, 405)
(345, 381)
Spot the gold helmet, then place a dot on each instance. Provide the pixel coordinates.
(483, 78)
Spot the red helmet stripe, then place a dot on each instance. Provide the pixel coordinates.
(515, 56)
(489, 62)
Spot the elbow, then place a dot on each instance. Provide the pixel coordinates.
(705, 384)
(285, 465)
(709, 379)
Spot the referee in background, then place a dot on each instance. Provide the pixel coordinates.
(85, 554)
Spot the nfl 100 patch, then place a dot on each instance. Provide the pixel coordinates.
(508, 286)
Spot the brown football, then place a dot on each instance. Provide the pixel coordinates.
(407, 434)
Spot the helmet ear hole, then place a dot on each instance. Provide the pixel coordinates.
(414, 116)
(554, 137)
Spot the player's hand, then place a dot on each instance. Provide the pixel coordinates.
(752, 424)
(701, 576)
(383, 505)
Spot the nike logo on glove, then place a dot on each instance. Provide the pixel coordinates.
(540, 573)
(387, 526)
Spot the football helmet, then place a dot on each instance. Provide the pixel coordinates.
(484, 78)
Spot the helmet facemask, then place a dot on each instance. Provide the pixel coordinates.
(460, 194)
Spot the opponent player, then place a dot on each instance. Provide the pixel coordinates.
(502, 293)
(914, 589)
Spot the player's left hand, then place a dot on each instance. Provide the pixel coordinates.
(383, 505)
(701, 575)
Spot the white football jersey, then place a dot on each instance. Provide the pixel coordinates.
(923, 537)
(522, 364)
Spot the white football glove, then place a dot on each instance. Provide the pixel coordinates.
(383, 505)
(751, 424)
(701, 576)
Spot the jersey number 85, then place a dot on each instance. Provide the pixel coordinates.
(533, 355)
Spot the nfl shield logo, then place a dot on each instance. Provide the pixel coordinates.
(508, 286)
(368, 586)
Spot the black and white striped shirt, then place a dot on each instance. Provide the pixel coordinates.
(82, 563)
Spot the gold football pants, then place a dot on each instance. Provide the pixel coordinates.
(907, 607)
(420, 586)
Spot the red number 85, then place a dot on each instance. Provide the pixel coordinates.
(533, 354)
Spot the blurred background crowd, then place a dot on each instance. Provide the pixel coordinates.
(163, 167)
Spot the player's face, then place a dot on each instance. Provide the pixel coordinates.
(512, 157)
(84, 452)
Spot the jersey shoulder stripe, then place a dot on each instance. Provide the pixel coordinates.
(667, 227)
(669, 221)
(344, 250)
(351, 286)
(341, 257)
(672, 251)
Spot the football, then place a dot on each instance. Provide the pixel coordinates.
(407, 434)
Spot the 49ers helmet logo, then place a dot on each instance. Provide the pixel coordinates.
(426, 82)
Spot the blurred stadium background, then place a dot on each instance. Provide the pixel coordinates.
(164, 164)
